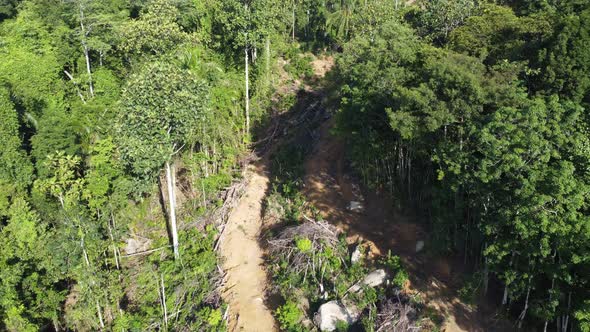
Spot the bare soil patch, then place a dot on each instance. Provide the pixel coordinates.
(245, 280)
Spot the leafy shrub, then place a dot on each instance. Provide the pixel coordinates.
(341, 326)
(400, 278)
(287, 164)
(213, 317)
(468, 293)
(367, 297)
(288, 316)
(299, 65)
(368, 320)
(287, 203)
(304, 245)
(287, 102)
(391, 262)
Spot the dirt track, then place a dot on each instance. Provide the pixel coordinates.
(329, 186)
(243, 259)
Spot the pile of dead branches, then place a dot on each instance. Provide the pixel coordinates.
(319, 234)
(218, 216)
(395, 316)
(230, 197)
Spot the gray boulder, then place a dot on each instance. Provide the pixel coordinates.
(329, 314)
(136, 245)
(419, 246)
(332, 312)
(373, 279)
(356, 255)
(355, 206)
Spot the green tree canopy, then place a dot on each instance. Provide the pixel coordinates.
(160, 111)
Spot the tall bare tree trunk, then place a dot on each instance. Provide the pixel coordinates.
(526, 306)
(173, 173)
(113, 244)
(566, 318)
(75, 85)
(267, 56)
(172, 212)
(247, 91)
(84, 34)
(100, 320)
(163, 290)
(550, 296)
(90, 85)
(87, 261)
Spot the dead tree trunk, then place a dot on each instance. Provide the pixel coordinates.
(486, 273)
(267, 56)
(163, 298)
(550, 297)
(172, 212)
(566, 318)
(84, 34)
(76, 86)
(100, 320)
(247, 90)
(526, 306)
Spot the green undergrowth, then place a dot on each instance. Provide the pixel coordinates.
(299, 65)
(190, 283)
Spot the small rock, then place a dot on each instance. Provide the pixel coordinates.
(356, 255)
(329, 314)
(355, 206)
(135, 245)
(373, 279)
(419, 246)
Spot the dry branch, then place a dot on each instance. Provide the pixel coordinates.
(321, 236)
(395, 316)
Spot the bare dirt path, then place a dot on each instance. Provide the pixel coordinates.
(243, 258)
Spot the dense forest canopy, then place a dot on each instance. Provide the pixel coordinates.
(476, 114)
(472, 112)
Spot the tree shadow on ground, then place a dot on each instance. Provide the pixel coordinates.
(329, 184)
